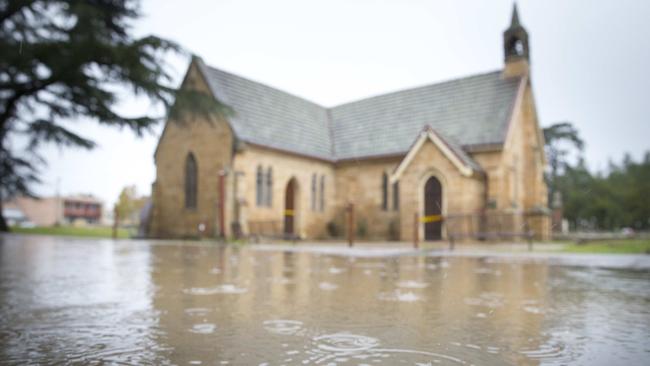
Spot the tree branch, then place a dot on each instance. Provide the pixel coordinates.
(14, 7)
(12, 103)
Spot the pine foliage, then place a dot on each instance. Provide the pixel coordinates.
(67, 61)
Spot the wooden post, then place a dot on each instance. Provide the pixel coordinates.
(222, 199)
(351, 224)
(499, 233)
(529, 234)
(482, 225)
(416, 231)
(450, 233)
(116, 219)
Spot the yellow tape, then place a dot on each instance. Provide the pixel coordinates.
(288, 212)
(431, 218)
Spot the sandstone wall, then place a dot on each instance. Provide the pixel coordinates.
(520, 182)
(211, 142)
(309, 222)
(360, 183)
(460, 194)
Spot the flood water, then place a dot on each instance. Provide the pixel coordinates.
(128, 302)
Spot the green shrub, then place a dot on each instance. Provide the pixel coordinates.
(333, 229)
(362, 228)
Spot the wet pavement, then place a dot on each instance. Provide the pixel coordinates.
(86, 301)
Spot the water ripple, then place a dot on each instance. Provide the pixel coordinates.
(398, 295)
(204, 328)
(412, 284)
(283, 326)
(327, 286)
(221, 289)
(342, 347)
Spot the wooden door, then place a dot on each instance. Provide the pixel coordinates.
(432, 209)
(289, 206)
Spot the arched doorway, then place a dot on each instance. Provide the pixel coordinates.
(432, 209)
(290, 208)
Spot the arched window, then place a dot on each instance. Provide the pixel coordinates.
(396, 196)
(516, 47)
(313, 192)
(191, 181)
(321, 202)
(259, 187)
(384, 191)
(269, 187)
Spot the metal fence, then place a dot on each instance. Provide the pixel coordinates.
(270, 229)
(490, 226)
(497, 226)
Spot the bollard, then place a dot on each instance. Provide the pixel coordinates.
(416, 231)
(221, 203)
(529, 235)
(350, 224)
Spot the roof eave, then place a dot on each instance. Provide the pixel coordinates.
(429, 134)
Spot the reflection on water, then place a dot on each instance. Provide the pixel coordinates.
(128, 302)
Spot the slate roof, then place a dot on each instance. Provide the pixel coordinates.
(270, 117)
(470, 111)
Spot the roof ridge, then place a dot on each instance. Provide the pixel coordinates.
(212, 68)
(440, 83)
(444, 82)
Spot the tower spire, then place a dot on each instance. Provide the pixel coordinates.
(515, 17)
(516, 48)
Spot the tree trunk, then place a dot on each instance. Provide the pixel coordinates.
(3, 223)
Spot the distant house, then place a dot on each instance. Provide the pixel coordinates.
(84, 208)
(49, 211)
(469, 146)
(15, 217)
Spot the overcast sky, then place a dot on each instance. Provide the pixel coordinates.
(589, 60)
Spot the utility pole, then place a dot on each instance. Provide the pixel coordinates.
(116, 219)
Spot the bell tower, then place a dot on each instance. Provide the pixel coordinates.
(516, 48)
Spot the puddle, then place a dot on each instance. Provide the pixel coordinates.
(83, 301)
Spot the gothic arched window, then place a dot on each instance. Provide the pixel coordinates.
(269, 187)
(259, 187)
(384, 191)
(516, 47)
(321, 206)
(191, 181)
(313, 192)
(519, 48)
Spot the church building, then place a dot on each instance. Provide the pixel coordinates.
(409, 162)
